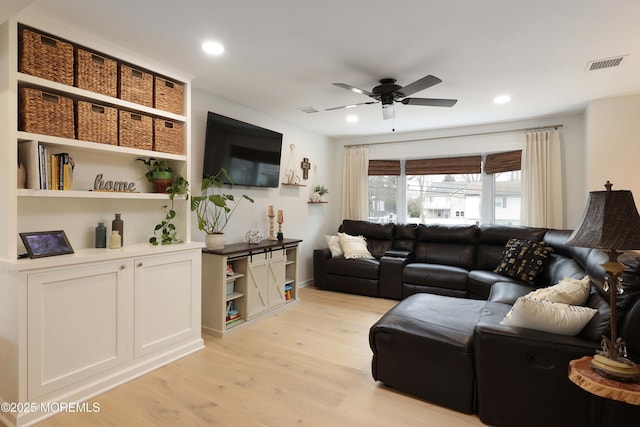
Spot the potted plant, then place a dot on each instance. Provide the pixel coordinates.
(159, 174)
(214, 208)
(319, 191)
(165, 180)
(165, 231)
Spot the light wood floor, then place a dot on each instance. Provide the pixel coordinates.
(309, 365)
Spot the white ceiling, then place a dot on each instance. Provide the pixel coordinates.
(282, 55)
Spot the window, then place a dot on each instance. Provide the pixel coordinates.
(504, 169)
(446, 190)
(446, 199)
(383, 190)
(507, 198)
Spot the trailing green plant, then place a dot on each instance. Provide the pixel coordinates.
(214, 207)
(165, 233)
(321, 190)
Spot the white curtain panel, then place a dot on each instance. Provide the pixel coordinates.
(542, 196)
(355, 192)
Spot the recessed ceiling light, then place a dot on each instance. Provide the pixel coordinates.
(502, 99)
(352, 119)
(212, 48)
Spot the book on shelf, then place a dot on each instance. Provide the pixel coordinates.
(46, 170)
(234, 321)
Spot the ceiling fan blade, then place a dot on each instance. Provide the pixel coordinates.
(388, 112)
(419, 85)
(430, 102)
(350, 105)
(353, 89)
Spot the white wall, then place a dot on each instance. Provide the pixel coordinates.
(613, 149)
(301, 220)
(453, 141)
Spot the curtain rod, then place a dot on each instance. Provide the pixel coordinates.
(556, 126)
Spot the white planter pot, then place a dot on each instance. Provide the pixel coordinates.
(214, 241)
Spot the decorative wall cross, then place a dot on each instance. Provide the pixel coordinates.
(305, 165)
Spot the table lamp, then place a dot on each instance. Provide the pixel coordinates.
(611, 223)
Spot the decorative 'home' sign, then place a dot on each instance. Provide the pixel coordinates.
(122, 186)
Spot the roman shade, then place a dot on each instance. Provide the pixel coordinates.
(444, 166)
(384, 167)
(503, 162)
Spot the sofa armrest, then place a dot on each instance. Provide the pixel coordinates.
(320, 257)
(390, 279)
(507, 292)
(519, 371)
(395, 253)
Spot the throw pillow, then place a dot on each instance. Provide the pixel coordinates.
(334, 245)
(523, 259)
(354, 246)
(548, 316)
(567, 291)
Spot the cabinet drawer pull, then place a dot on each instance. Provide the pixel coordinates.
(139, 264)
(123, 266)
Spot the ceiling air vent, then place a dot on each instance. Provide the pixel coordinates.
(599, 64)
(308, 110)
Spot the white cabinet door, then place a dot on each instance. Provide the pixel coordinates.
(276, 277)
(257, 291)
(167, 300)
(79, 323)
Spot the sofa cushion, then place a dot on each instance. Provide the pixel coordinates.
(446, 244)
(491, 239)
(568, 291)
(548, 316)
(523, 259)
(353, 246)
(435, 275)
(379, 237)
(362, 267)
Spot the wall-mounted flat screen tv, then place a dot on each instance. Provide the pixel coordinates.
(250, 154)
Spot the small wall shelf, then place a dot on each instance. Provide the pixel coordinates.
(317, 203)
(293, 185)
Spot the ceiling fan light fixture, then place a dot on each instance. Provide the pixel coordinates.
(352, 119)
(388, 112)
(502, 99)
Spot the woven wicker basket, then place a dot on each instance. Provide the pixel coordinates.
(168, 136)
(97, 123)
(169, 95)
(46, 57)
(136, 85)
(46, 113)
(136, 130)
(96, 73)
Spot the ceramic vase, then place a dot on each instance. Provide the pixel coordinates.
(214, 241)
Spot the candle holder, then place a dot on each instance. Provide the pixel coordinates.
(279, 236)
(271, 235)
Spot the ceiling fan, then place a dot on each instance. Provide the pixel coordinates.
(388, 92)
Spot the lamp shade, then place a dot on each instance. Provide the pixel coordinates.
(610, 221)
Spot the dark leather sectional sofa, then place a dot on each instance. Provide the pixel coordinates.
(444, 342)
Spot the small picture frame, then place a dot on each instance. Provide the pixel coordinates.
(46, 243)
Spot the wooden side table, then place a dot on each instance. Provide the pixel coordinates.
(581, 373)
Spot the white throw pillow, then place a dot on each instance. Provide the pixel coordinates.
(548, 316)
(354, 246)
(567, 291)
(334, 245)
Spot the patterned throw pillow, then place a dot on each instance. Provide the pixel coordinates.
(523, 259)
